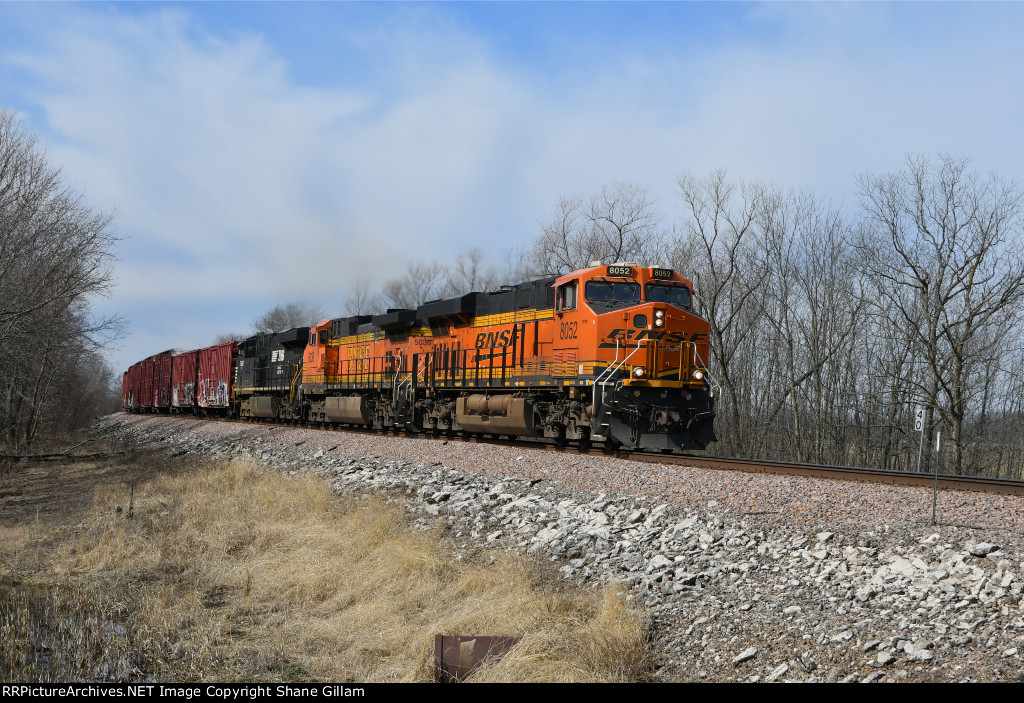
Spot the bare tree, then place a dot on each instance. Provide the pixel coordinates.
(361, 300)
(228, 337)
(812, 302)
(720, 246)
(287, 316)
(422, 281)
(54, 249)
(469, 273)
(56, 255)
(943, 247)
(619, 223)
(772, 276)
(518, 266)
(429, 280)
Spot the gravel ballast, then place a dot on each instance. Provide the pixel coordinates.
(748, 577)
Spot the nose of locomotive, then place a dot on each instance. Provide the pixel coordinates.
(668, 354)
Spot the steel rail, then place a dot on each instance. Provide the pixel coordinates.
(985, 484)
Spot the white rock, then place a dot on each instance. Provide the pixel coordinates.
(660, 561)
(684, 578)
(658, 511)
(981, 549)
(745, 655)
(688, 522)
(548, 534)
(776, 673)
(901, 566)
(865, 593)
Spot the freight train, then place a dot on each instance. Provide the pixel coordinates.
(614, 354)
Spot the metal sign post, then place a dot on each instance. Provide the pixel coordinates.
(935, 487)
(919, 427)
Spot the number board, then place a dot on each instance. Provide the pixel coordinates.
(661, 273)
(620, 270)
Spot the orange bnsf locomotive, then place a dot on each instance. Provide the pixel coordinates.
(613, 354)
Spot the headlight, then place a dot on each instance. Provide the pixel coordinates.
(659, 322)
(698, 375)
(659, 313)
(638, 371)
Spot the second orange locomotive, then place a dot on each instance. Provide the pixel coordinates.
(613, 354)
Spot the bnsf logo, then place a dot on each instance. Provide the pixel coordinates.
(625, 336)
(494, 339)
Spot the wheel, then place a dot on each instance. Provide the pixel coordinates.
(560, 441)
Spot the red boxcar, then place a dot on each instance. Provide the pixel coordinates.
(147, 372)
(155, 384)
(130, 387)
(216, 376)
(162, 381)
(135, 385)
(183, 380)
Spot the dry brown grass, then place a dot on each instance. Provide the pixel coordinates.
(63, 633)
(233, 573)
(15, 541)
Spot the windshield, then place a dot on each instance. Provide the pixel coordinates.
(612, 295)
(673, 295)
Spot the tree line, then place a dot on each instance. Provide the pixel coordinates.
(56, 255)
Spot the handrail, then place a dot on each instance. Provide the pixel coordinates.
(410, 375)
(711, 379)
(609, 371)
(619, 366)
(394, 381)
(597, 381)
(295, 379)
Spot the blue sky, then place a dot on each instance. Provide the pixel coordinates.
(266, 152)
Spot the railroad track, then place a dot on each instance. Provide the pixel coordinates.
(845, 473)
(981, 484)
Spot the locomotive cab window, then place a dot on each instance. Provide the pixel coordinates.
(312, 339)
(567, 296)
(612, 295)
(679, 296)
(323, 337)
